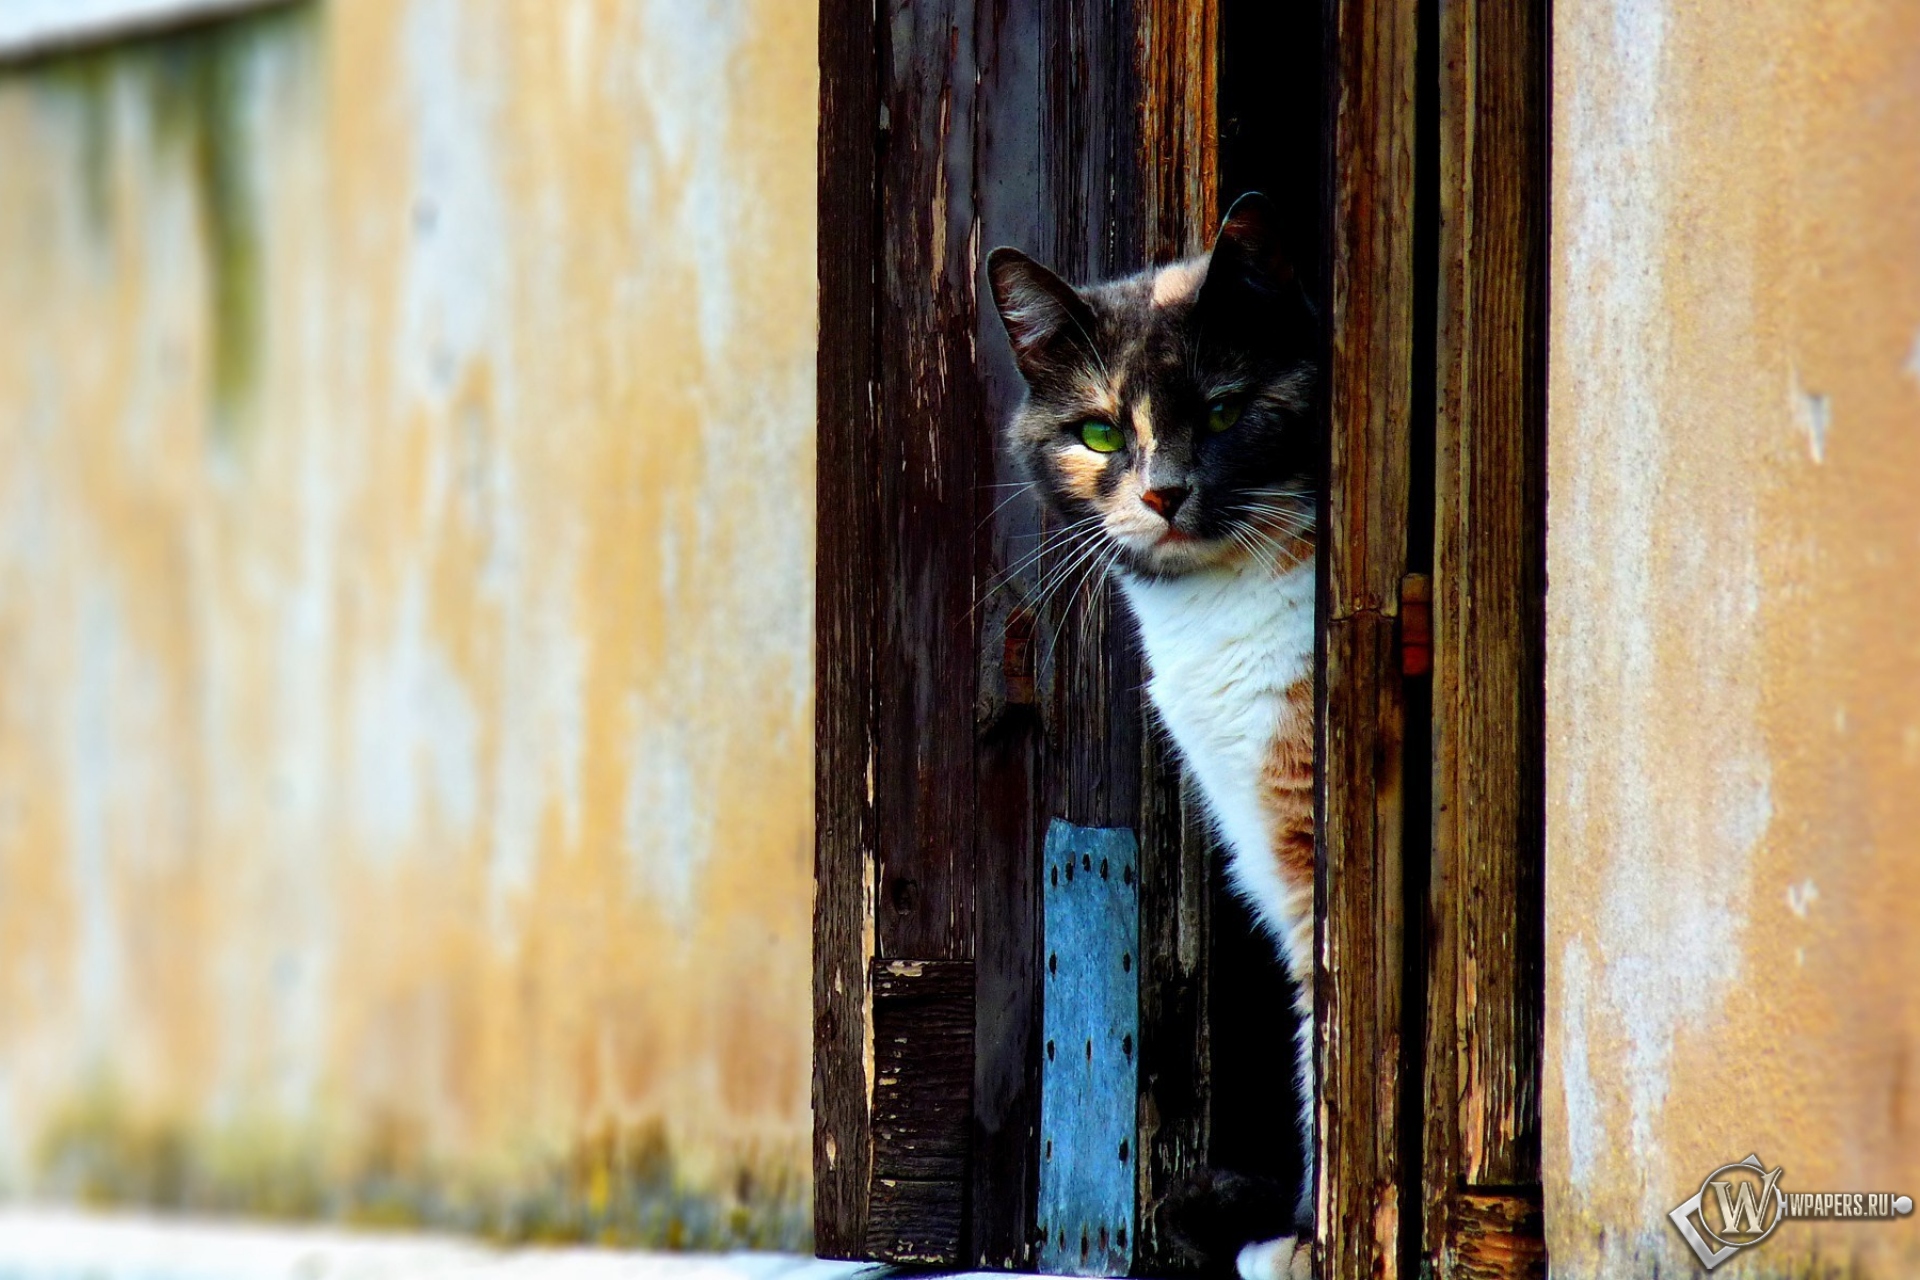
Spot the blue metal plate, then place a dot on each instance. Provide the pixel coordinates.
(1089, 1079)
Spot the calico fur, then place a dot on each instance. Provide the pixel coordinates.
(1197, 379)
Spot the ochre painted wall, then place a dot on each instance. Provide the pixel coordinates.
(406, 455)
(1734, 623)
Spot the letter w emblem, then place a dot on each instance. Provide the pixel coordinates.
(1743, 1209)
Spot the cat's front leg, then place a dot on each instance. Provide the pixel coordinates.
(1288, 1258)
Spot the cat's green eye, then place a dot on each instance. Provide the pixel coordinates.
(1222, 414)
(1101, 437)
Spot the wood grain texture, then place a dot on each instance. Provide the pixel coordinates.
(1362, 707)
(1055, 140)
(1179, 58)
(1086, 134)
(928, 458)
(914, 1222)
(1360, 978)
(846, 389)
(927, 461)
(1177, 52)
(1176, 950)
(962, 125)
(922, 1109)
(1485, 1005)
(1008, 147)
(1498, 1236)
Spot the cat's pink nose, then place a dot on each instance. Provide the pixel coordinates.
(1165, 501)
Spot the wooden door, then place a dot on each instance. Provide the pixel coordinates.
(964, 711)
(959, 714)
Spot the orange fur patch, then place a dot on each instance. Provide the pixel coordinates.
(1143, 426)
(1286, 783)
(1082, 469)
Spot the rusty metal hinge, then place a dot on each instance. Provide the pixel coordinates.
(1416, 625)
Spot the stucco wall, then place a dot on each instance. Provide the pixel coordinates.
(1734, 622)
(405, 616)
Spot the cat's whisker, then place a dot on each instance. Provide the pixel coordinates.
(1245, 543)
(1099, 566)
(1283, 553)
(1291, 513)
(1293, 521)
(1004, 503)
(1061, 574)
(1254, 520)
(1065, 540)
(1283, 531)
(1043, 594)
(1065, 534)
(1068, 572)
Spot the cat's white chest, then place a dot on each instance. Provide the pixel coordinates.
(1224, 649)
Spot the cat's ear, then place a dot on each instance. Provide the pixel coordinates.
(1043, 314)
(1247, 260)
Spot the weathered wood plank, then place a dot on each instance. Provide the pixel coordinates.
(922, 1109)
(1485, 1001)
(927, 461)
(1360, 977)
(1006, 1100)
(1177, 57)
(844, 628)
(1362, 703)
(915, 1222)
(928, 457)
(1178, 43)
(1176, 951)
(922, 1067)
(1498, 1236)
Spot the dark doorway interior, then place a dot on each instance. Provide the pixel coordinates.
(1272, 139)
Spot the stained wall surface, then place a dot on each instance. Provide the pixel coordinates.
(406, 430)
(1734, 623)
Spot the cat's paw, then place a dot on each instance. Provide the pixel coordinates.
(1211, 1214)
(1287, 1258)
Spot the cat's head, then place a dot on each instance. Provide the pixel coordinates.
(1171, 410)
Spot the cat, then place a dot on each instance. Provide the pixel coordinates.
(1170, 416)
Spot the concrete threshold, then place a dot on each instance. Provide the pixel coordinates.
(57, 1243)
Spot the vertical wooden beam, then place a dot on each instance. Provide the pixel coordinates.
(1177, 61)
(1176, 946)
(1009, 158)
(1057, 155)
(1485, 1002)
(928, 457)
(1178, 43)
(846, 391)
(1362, 702)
